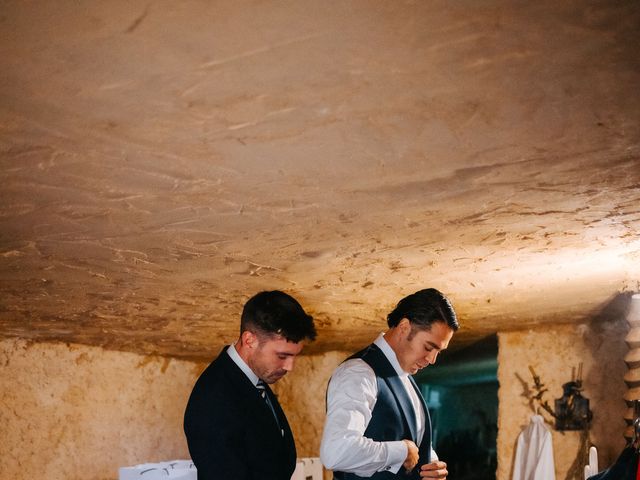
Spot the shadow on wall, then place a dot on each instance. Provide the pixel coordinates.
(611, 316)
(604, 336)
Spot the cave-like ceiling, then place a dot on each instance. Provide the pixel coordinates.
(163, 161)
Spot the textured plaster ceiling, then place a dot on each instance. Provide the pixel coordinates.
(163, 161)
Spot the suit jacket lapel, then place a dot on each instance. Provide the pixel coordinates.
(247, 392)
(402, 397)
(417, 389)
(425, 445)
(277, 409)
(390, 376)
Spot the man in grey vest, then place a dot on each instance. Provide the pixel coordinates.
(377, 423)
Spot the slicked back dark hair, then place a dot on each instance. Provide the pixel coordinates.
(424, 308)
(276, 313)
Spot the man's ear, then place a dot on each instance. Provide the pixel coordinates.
(405, 327)
(249, 339)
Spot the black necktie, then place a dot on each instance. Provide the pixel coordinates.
(262, 389)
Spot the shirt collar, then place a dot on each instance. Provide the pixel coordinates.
(237, 359)
(381, 343)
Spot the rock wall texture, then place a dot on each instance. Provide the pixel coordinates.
(302, 394)
(71, 411)
(553, 353)
(75, 412)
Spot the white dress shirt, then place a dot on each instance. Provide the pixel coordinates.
(351, 397)
(534, 453)
(237, 359)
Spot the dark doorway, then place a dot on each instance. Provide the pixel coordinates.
(461, 390)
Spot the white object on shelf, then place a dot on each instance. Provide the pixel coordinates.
(592, 468)
(174, 469)
(298, 473)
(312, 468)
(308, 469)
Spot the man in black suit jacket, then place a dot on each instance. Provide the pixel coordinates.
(235, 427)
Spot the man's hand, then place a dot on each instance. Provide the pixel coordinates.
(435, 469)
(412, 456)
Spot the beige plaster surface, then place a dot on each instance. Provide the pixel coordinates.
(302, 394)
(73, 412)
(553, 353)
(77, 412)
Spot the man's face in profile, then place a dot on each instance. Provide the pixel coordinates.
(273, 357)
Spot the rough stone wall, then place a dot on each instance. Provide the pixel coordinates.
(302, 395)
(552, 353)
(72, 411)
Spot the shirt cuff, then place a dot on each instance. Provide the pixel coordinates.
(434, 455)
(396, 455)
